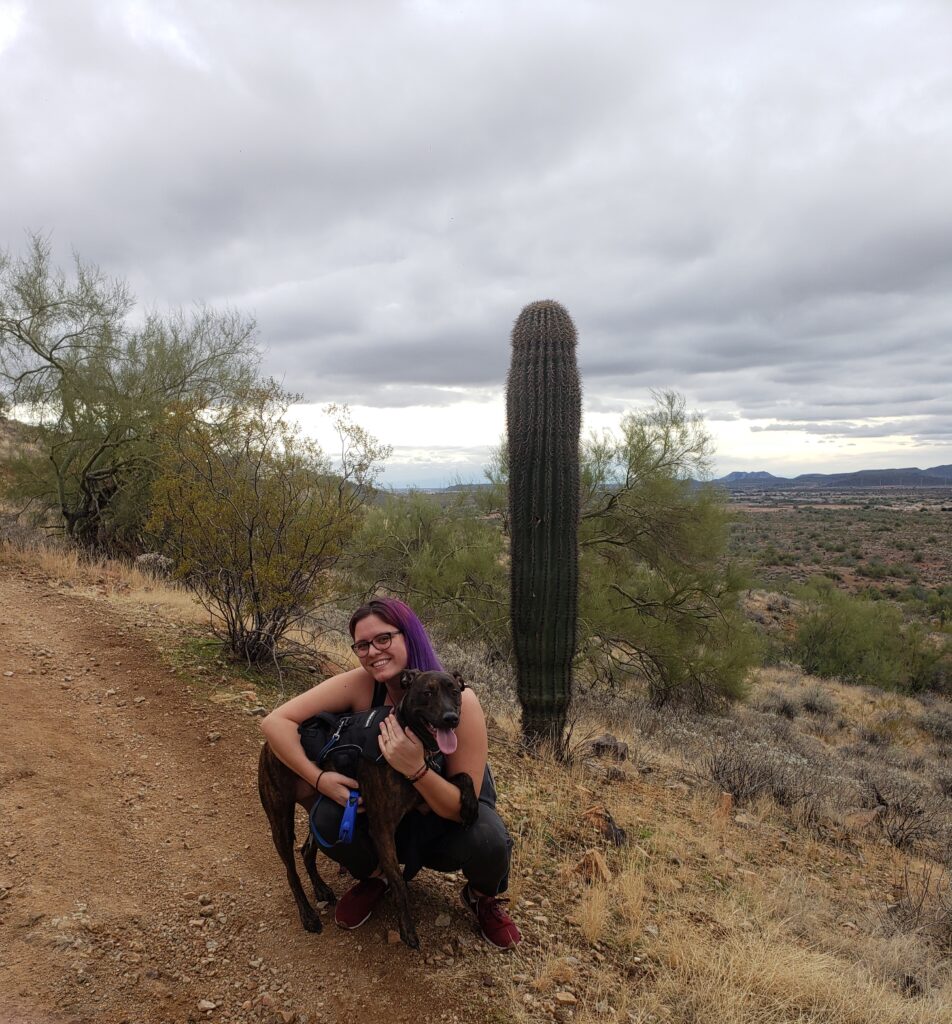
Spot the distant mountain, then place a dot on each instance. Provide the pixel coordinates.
(937, 476)
(743, 479)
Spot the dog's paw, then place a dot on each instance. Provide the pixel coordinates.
(311, 922)
(468, 801)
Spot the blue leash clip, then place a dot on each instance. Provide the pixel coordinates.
(347, 822)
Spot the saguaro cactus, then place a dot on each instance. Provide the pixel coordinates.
(543, 419)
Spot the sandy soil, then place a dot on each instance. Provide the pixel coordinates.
(137, 875)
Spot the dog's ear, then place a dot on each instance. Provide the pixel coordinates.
(460, 680)
(407, 677)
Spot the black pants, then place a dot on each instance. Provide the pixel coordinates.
(481, 850)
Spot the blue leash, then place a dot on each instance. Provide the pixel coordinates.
(347, 822)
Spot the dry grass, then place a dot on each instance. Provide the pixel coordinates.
(107, 578)
(764, 913)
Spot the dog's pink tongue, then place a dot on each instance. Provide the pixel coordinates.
(446, 740)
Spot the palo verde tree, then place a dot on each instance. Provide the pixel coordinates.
(94, 388)
(543, 419)
(660, 603)
(255, 515)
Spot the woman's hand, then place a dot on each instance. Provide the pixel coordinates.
(400, 747)
(337, 787)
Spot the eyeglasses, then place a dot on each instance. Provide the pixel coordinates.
(381, 641)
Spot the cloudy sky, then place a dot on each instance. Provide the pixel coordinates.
(743, 201)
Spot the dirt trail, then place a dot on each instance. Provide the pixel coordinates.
(137, 875)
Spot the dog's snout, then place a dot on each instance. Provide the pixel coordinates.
(450, 719)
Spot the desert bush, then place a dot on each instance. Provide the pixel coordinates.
(255, 517)
(817, 701)
(910, 815)
(747, 770)
(922, 903)
(943, 782)
(938, 724)
(776, 702)
(863, 641)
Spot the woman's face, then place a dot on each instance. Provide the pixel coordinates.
(382, 665)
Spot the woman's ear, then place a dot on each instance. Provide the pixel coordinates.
(460, 680)
(407, 676)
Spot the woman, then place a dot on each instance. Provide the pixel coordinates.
(389, 638)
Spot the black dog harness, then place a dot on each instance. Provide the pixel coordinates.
(342, 739)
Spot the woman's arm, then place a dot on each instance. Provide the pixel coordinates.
(348, 691)
(472, 745)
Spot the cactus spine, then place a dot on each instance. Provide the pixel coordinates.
(543, 419)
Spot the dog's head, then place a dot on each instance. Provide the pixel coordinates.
(431, 707)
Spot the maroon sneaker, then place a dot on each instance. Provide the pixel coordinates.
(495, 924)
(357, 904)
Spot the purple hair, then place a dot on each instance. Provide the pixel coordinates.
(420, 653)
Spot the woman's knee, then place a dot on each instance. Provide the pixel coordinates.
(484, 851)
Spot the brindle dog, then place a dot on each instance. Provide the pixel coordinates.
(430, 706)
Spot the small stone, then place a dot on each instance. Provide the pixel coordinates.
(652, 930)
(213, 737)
(442, 921)
(204, 899)
(8, 674)
(206, 1004)
(206, 911)
(393, 937)
(109, 693)
(565, 998)
(520, 979)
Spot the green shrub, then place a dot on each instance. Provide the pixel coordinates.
(862, 641)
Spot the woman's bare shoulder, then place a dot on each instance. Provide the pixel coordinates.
(347, 691)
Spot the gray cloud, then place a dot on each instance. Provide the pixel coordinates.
(743, 202)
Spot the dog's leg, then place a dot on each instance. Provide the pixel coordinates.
(387, 801)
(276, 792)
(309, 855)
(468, 801)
